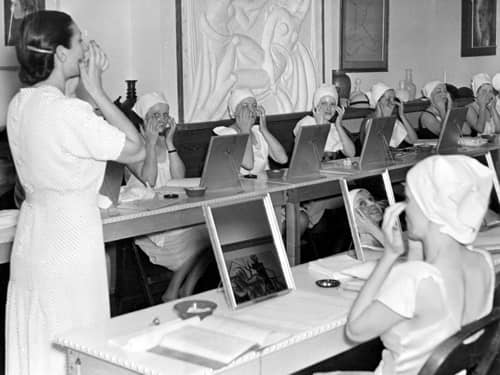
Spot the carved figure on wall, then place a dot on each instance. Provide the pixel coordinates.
(263, 45)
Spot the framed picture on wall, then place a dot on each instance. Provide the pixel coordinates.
(479, 27)
(364, 34)
(13, 12)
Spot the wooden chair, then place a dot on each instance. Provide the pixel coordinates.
(456, 353)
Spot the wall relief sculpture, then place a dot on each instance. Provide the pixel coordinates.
(273, 47)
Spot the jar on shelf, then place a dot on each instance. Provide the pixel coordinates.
(358, 98)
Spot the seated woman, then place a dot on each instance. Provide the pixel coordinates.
(177, 250)
(243, 107)
(482, 115)
(383, 100)
(415, 305)
(325, 107)
(495, 82)
(338, 144)
(431, 120)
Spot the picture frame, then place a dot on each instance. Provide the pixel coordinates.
(12, 13)
(249, 250)
(364, 35)
(478, 28)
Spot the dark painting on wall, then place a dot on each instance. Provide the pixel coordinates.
(478, 27)
(13, 13)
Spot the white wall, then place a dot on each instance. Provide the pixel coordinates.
(139, 38)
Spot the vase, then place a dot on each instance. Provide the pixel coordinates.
(409, 85)
(131, 96)
(402, 93)
(343, 84)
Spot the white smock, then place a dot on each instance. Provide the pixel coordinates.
(171, 249)
(407, 347)
(260, 148)
(58, 269)
(333, 142)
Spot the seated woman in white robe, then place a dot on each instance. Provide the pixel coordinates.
(414, 305)
(482, 115)
(177, 249)
(383, 101)
(243, 107)
(338, 144)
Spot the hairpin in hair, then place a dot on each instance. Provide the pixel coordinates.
(39, 50)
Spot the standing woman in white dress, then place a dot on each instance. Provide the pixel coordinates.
(60, 147)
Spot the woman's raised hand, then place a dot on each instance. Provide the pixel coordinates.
(91, 68)
(393, 239)
(151, 131)
(170, 131)
(244, 119)
(319, 116)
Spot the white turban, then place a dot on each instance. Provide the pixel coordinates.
(429, 88)
(353, 195)
(325, 89)
(235, 98)
(146, 101)
(496, 82)
(478, 80)
(452, 191)
(377, 92)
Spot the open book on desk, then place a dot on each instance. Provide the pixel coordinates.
(212, 342)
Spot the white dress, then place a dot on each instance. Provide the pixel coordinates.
(171, 249)
(58, 270)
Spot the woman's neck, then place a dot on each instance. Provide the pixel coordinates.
(56, 80)
(440, 249)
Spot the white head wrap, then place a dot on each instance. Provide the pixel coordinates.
(236, 96)
(353, 194)
(429, 88)
(146, 101)
(452, 191)
(325, 89)
(377, 92)
(478, 80)
(496, 82)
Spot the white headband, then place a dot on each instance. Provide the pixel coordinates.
(452, 191)
(478, 80)
(377, 92)
(429, 88)
(146, 101)
(325, 90)
(235, 98)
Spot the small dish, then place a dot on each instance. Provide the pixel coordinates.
(275, 173)
(198, 307)
(195, 191)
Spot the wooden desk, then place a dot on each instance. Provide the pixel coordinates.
(90, 352)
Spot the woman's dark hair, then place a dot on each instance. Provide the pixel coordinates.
(41, 32)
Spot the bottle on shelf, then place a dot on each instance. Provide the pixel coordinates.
(358, 98)
(402, 93)
(409, 85)
(343, 84)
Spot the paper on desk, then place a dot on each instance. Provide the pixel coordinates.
(331, 266)
(135, 193)
(296, 312)
(147, 338)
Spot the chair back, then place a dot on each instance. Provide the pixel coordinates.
(464, 352)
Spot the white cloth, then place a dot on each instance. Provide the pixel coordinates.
(58, 269)
(478, 80)
(260, 148)
(236, 96)
(333, 142)
(409, 344)
(495, 81)
(146, 101)
(429, 88)
(452, 191)
(376, 93)
(398, 135)
(325, 89)
(170, 249)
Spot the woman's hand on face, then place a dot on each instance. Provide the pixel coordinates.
(393, 239)
(150, 131)
(483, 99)
(244, 119)
(340, 111)
(170, 132)
(261, 113)
(401, 107)
(92, 67)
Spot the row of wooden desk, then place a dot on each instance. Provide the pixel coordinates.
(159, 215)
